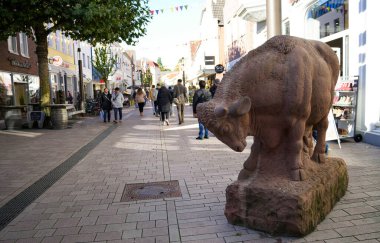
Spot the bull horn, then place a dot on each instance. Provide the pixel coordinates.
(240, 107)
(220, 111)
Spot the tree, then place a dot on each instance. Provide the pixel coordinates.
(104, 63)
(95, 21)
(161, 66)
(147, 78)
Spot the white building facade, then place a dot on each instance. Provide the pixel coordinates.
(348, 26)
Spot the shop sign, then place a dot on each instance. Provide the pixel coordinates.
(292, 2)
(17, 63)
(219, 68)
(56, 61)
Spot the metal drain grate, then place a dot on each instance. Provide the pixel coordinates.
(151, 190)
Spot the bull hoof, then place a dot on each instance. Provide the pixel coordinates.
(245, 174)
(319, 158)
(298, 175)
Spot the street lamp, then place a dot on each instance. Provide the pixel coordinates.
(80, 101)
(183, 70)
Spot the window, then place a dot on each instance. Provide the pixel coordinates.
(336, 25)
(88, 62)
(64, 45)
(24, 45)
(84, 59)
(58, 41)
(12, 44)
(50, 40)
(327, 29)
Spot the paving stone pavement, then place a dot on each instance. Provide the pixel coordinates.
(84, 205)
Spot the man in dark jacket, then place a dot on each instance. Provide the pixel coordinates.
(214, 86)
(106, 104)
(201, 95)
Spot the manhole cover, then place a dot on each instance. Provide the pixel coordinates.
(150, 190)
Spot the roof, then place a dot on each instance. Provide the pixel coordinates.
(217, 10)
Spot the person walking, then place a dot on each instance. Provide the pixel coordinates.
(171, 103)
(201, 95)
(164, 99)
(117, 102)
(140, 100)
(214, 87)
(106, 105)
(69, 97)
(180, 94)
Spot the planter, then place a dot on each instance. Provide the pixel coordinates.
(14, 117)
(59, 116)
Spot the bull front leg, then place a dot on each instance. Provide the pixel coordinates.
(250, 164)
(320, 147)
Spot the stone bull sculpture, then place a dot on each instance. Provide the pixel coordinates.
(277, 93)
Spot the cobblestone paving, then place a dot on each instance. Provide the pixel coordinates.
(84, 205)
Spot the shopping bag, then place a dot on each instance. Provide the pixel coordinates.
(101, 115)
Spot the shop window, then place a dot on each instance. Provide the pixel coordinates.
(327, 13)
(88, 62)
(12, 44)
(24, 44)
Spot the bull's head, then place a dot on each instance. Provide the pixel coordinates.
(230, 124)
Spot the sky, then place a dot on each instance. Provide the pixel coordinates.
(169, 32)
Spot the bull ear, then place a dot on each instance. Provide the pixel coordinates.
(240, 107)
(220, 111)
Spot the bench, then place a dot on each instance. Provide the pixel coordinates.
(71, 111)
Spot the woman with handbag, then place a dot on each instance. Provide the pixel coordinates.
(140, 100)
(106, 105)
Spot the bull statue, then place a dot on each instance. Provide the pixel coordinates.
(277, 93)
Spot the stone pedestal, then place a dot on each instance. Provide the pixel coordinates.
(283, 207)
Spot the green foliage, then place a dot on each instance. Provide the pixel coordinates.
(147, 79)
(161, 66)
(95, 21)
(104, 63)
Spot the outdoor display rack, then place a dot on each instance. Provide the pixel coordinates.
(345, 107)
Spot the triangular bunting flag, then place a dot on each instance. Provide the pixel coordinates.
(157, 11)
(172, 9)
(186, 7)
(162, 10)
(176, 8)
(151, 12)
(181, 7)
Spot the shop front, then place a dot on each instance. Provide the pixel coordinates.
(348, 26)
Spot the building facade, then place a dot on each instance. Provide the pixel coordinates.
(19, 81)
(347, 26)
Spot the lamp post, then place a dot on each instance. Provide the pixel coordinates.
(80, 102)
(183, 70)
(274, 19)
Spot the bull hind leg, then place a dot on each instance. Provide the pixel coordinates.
(308, 142)
(294, 148)
(250, 164)
(320, 147)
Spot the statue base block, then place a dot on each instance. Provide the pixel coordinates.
(283, 207)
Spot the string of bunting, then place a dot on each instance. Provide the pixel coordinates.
(180, 44)
(162, 10)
